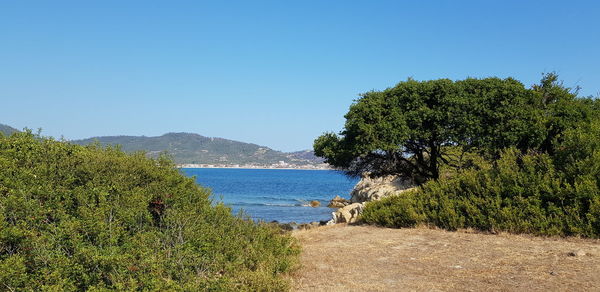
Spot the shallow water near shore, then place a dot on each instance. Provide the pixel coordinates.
(275, 194)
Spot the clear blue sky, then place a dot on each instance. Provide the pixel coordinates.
(276, 73)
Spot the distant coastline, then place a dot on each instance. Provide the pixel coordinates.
(275, 166)
(191, 149)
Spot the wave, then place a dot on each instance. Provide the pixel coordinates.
(265, 204)
(284, 198)
(299, 204)
(282, 205)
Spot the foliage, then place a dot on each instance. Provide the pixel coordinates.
(531, 193)
(563, 111)
(488, 154)
(92, 218)
(408, 129)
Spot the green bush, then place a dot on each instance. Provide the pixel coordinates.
(520, 194)
(92, 218)
(394, 211)
(488, 154)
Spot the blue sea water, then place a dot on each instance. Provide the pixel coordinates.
(275, 194)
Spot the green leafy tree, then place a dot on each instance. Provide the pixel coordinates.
(416, 127)
(563, 110)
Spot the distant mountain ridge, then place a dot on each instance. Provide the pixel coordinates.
(7, 130)
(189, 148)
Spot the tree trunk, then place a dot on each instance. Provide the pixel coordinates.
(434, 161)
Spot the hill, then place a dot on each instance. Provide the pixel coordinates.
(189, 148)
(7, 130)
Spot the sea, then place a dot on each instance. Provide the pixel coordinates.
(281, 195)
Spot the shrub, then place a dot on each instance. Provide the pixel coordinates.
(520, 194)
(395, 211)
(92, 218)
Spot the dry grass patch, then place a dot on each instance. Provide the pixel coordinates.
(366, 258)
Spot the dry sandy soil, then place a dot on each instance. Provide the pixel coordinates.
(365, 258)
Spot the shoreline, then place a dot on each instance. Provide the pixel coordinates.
(233, 167)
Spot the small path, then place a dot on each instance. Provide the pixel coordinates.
(366, 258)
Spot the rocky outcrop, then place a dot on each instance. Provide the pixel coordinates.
(348, 214)
(366, 190)
(371, 189)
(338, 202)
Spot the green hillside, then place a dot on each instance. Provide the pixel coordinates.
(197, 149)
(7, 130)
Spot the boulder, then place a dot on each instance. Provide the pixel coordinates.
(283, 226)
(348, 214)
(286, 226)
(338, 202)
(371, 189)
(315, 204)
(366, 190)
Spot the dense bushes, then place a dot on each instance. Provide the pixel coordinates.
(88, 218)
(521, 193)
(488, 154)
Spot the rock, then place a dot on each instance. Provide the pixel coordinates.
(310, 225)
(348, 214)
(576, 253)
(338, 202)
(366, 190)
(371, 189)
(283, 226)
(315, 204)
(286, 226)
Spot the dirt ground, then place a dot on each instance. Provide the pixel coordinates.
(366, 258)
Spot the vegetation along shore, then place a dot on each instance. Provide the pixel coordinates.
(78, 218)
(275, 146)
(487, 156)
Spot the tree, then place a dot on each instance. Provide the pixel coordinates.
(562, 110)
(416, 127)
